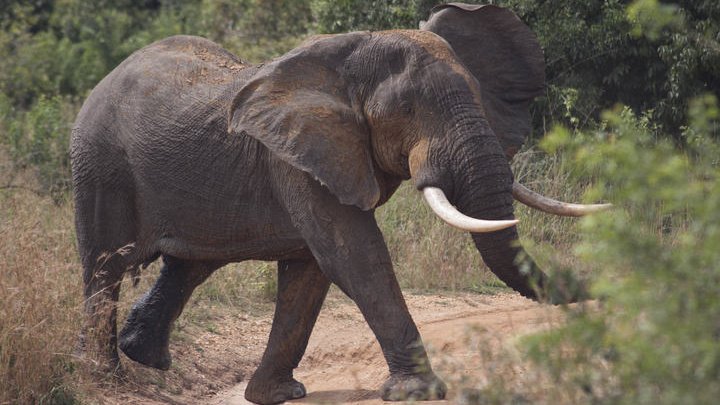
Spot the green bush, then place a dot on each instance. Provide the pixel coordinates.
(653, 335)
(38, 139)
(602, 52)
(52, 53)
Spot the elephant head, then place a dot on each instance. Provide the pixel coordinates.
(505, 57)
(361, 112)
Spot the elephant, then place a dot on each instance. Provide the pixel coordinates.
(186, 153)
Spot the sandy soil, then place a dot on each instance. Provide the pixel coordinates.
(343, 362)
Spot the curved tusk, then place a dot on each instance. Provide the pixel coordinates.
(542, 203)
(447, 212)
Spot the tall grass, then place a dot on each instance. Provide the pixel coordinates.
(550, 238)
(40, 302)
(41, 307)
(428, 254)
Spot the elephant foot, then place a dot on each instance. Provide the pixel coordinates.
(100, 356)
(415, 387)
(268, 391)
(141, 346)
(101, 365)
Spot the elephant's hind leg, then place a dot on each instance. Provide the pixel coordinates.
(105, 230)
(98, 338)
(146, 334)
(302, 288)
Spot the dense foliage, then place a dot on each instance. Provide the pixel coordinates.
(64, 47)
(52, 52)
(598, 54)
(653, 335)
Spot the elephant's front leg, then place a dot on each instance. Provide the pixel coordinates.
(361, 267)
(301, 291)
(351, 251)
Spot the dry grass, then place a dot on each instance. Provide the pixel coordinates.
(40, 301)
(548, 238)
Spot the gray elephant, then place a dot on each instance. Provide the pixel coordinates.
(185, 152)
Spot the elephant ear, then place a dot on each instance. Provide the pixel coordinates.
(505, 57)
(299, 107)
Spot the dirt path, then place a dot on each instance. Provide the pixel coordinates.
(344, 364)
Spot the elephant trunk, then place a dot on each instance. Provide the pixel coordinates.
(484, 190)
(502, 254)
(469, 166)
(506, 258)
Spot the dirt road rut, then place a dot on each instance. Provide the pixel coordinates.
(344, 364)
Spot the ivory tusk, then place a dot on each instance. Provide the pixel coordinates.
(542, 203)
(447, 212)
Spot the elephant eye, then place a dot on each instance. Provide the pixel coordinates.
(406, 108)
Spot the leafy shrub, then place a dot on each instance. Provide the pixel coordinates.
(653, 337)
(647, 57)
(38, 139)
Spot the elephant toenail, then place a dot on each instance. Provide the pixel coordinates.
(298, 392)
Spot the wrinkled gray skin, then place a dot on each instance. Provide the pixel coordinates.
(184, 152)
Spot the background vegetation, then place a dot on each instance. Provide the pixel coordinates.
(651, 338)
